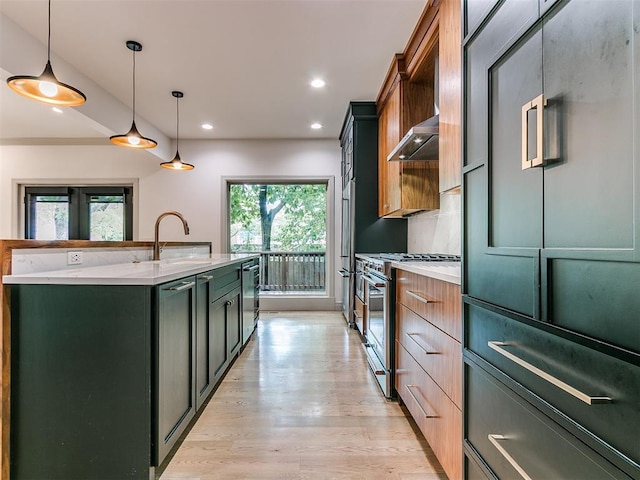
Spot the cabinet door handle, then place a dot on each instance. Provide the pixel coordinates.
(420, 298)
(428, 350)
(493, 438)
(229, 303)
(183, 286)
(588, 399)
(250, 269)
(205, 277)
(426, 415)
(538, 103)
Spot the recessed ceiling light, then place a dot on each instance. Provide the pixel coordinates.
(318, 83)
(57, 110)
(316, 126)
(207, 126)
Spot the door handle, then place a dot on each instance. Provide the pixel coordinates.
(183, 286)
(420, 298)
(493, 438)
(588, 399)
(428, 349)
(344, 273)
(415, 399)
(538, 103)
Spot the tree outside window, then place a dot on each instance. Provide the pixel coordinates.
(286, 223)
(282, 217)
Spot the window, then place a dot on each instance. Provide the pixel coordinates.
(287, 224)
(78, 213)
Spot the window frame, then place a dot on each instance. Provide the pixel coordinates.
(79, 207)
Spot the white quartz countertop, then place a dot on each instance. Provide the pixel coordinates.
(140, 273)
(446, 271)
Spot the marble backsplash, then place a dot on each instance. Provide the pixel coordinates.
(437, 231)
(33, 260)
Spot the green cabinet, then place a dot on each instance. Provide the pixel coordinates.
(206, 336)
(106, 378)
(218, 324)
(80, 382)
(175, 362)
(551, 215)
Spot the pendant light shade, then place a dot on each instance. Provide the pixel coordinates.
(46, 88)
(177, 163)
(133, 138)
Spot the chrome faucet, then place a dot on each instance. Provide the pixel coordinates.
(156, 242)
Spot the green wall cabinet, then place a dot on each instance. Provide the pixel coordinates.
(551, 212)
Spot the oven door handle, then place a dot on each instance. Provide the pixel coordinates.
(373, 281)
(344, 273)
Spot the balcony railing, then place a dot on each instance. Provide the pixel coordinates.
(294, 272)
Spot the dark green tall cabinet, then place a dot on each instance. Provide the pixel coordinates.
(551, 270)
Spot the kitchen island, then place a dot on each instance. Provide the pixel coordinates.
(110, 364)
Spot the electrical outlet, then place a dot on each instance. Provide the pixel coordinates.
(74, 258)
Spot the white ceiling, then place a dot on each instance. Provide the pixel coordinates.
(243, 65)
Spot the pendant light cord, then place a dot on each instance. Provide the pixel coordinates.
(134, 84)
(177, 123)
(49, 36)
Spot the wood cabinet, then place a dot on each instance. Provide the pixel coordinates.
(205, 338)
(550, 208)
(429, 362)
(175, 359)
(407, 98)
(450, 95)
(404, 187)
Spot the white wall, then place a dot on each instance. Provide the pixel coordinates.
(197, 194)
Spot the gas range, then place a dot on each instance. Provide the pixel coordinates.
(380, 263)
(419, 257)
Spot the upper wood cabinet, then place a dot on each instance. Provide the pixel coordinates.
(407, 98)
(404, 187)
(450, 93)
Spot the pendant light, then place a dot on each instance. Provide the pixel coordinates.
(133, 138)
(177, 163)
(46, 88)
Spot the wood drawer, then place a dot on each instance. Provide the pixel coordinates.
(506, 343)
(439, 420)
(436, 300)
(437, 353)
(509, 434)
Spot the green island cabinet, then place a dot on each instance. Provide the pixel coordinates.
(551, 245)
(106, 378)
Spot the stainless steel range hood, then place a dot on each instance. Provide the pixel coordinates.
(420, 143)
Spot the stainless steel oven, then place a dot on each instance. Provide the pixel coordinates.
(379, 293)
(379, 318)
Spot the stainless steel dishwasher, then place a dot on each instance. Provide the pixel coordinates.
(250, 297)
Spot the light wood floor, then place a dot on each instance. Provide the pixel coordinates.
(300, 403)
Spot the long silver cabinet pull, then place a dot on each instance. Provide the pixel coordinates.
(493, 438)
(538, 103)
(426, 415)
(429, 350)
(588, 399)
(250, 269)
(420, 298)
(205, 277)
(183, 286)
